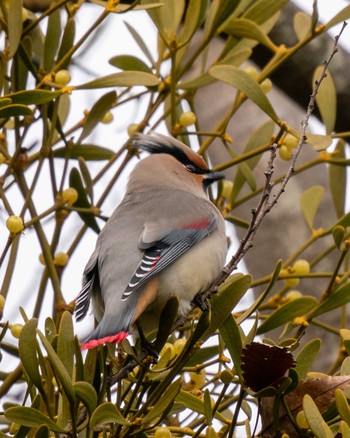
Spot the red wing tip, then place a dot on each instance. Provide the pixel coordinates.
(93, 343)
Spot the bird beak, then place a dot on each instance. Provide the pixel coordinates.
(212, 177)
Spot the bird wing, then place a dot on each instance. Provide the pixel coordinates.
(161, 253)
(91, 280)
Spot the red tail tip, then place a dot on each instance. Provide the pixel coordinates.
(93, 343)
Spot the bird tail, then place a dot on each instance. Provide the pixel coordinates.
(108, 331)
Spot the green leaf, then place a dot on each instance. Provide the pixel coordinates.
(52, 39)
(345, 335)
(76, 182)
(338, 180)
(167, 18)
(343, 15)
(194, 13)
(166, 321)
(342, 405)
(122, 79)
(219, 11)
(207, 407)
(50, 329)
(306, 358)
(345, 367)
(97, 113)
(86, 393)
(319, 142)
(232, 337)
(200, 81)
(263, 10)
(163, 403)
(89, 152)
(229, 295)
(86, 177)
(65, 342)
(67, 42)
(344, 221)
(129, 62)
(62, 376)
(260, 137)
(195, 404)
(335, 300)
(241, 27)
(301, 24)
(326, 99)
(243, 82)
(338, 234)
(107, 413)
(28, 345)
(313, 416)
(13, 14)
(344, 430)
(140, 42)
(5, 101)
(14, 111)
(32, 97)
(30, 417)
(263, 295)
(202, 355)
(65, 351)
(42, 432)
(287, 312)
(309, 203)
(20, 69)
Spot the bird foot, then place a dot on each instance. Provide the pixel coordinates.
(202, 303)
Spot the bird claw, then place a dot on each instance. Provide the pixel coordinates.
(150, 350)
(202, 303)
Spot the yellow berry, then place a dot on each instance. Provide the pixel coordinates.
(41, 259)
(198, 379)
(252, 72)
(107, 118)
(14, 224)
(301, 267)
(2, 303)
(187, 119)
(61, 259)
(69, 196)
(293, 295)
(62, 77)
(16, 330)
(291, 282)
(132, 129)
(290, 141)
(2, 158)
(162, 432)
(266, 85)
(179, 346)
(285, 152)
(226, 376)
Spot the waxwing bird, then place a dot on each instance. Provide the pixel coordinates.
(165, 239)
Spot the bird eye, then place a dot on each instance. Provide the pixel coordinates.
(191, 168)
